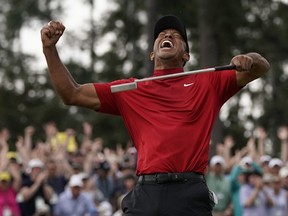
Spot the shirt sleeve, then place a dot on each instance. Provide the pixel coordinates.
(106, 98)
(109, 101)
(225, 84)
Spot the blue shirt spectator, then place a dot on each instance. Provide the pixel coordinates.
(73, 202)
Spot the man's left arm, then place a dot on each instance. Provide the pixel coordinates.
(249, 67)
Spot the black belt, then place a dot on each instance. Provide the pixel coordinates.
(161, 178)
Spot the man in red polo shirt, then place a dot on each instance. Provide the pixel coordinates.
(169, 120)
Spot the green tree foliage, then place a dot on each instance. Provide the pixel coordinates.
(238, 26)
(22, 89)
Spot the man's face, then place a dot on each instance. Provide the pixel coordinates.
(76, 190)
(170, 45)
(4, 184)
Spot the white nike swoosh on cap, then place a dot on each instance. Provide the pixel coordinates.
(188, 84)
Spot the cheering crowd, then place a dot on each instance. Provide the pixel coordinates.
(64, 176)
(60, 176)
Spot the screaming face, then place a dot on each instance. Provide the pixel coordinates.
(169, 49)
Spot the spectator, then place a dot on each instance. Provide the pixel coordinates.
(264, 163)
(279, 196)
(103, 180)
(220, 185)
(275, 165)
(104, 207)
(283, 173)
(254, 199)
(55, 178)
(35, 194)
(238, 179)
(89, 189)
(8, 190)
(73, 201)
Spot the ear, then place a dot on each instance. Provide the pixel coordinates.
(152, 56)
(186, 57)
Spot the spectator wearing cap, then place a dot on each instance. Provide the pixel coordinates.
(237, 178)
(220, 185)
(264, 163)
(8, 190)
(89, 189)
(35, 190)
(103, 180)
(57, 178)
(283, 173)
(254, 198)
(279, 196)
(73, 201)
(275, 165)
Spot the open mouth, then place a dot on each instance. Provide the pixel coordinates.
(167, 44)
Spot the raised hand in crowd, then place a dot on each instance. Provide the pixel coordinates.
(86, 144)
(282, 134)
(50, 131)
(4, 136)
(264, 144)
(28, 133)
(228, 144)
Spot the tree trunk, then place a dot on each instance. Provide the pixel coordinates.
(151, 13)
(209, 54)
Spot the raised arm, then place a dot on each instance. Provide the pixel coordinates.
(69, 90)
(249, 67)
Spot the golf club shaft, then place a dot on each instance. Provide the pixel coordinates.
(133, 85)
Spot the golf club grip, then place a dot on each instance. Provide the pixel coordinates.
(225, 67)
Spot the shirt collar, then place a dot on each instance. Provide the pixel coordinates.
(167, 71)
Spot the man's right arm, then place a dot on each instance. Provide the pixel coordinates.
(69, 90)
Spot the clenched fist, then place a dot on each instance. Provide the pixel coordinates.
(51, 33)
(242, 62)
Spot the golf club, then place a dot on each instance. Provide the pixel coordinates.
(133, 85)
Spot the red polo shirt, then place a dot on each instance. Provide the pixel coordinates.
(170, 120)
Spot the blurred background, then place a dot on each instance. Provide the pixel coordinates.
(112, 39)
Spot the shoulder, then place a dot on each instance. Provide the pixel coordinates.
(115, 82)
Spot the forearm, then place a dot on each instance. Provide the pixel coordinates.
(261, 150)
(27, 143)
(48, 191)
(17, 181)
(251, 199)
(269, 200)
(284, 150)
(61, 78)
(28, 192)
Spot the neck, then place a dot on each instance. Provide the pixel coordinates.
(169, 64)
(159, 72)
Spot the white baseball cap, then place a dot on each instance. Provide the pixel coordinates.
(35, 163)
(265, 158)
(247, 160)
(217, 159)
(75, 181)
(283, 172)
(275, 162)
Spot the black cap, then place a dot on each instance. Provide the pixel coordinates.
(171, 22)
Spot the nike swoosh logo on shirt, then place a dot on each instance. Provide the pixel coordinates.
(188, 84)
